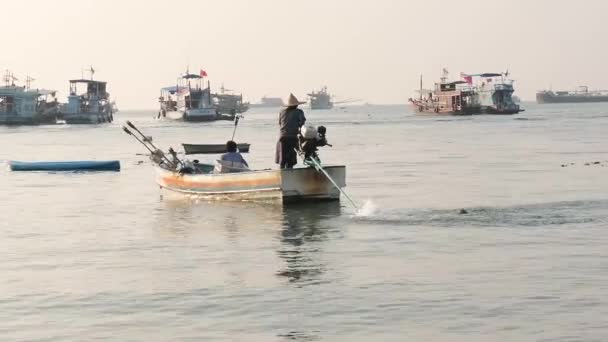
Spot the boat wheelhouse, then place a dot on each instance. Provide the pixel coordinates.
(88, 102)
(20, 105)
(188, 100)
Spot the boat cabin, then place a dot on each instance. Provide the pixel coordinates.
(87, 96)
(453, 96)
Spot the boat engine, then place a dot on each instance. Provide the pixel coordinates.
(311, 138)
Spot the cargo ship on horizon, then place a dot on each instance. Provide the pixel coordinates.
(581, 94)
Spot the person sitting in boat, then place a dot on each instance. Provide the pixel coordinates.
(232, 160)
(291, 119)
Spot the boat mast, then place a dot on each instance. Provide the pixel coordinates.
(28, 82)
(7, 78)
(420, 95)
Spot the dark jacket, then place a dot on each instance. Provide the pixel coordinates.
(290, 121)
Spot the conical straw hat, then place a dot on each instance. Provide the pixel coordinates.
(293, 101)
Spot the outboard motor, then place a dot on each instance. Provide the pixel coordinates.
(311, 138)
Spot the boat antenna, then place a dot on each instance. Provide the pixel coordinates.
(7, 77)
(444, 75)
(28, 81)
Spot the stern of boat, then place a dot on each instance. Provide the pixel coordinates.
(309, 184)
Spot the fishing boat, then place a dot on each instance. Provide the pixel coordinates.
(206, 180)
(288, 185)
(581, 94)
(83, 165)
(495, 92)
(228, 104)
(188, 100)
(448, 98)
(88, 102)
(212, 148)
(21, 105)
(321, 99)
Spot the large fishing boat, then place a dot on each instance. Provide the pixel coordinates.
(220, 181)
(448, 98)
(188, 100)
(321, 99)
(495, 92)
(21, 105)
(579, 95)
(88, 102)
(229, 104)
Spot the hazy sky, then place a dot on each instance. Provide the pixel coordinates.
(374, 50)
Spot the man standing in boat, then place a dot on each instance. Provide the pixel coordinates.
(291, 118)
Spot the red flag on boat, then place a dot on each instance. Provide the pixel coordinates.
(203, 73)
(467, 78)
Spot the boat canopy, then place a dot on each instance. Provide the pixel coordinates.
(489, 74)
(87, 81)
(188, 76)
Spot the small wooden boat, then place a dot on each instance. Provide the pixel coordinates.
(287, 185)
(85, 165)
(212, 148)
(230, 180)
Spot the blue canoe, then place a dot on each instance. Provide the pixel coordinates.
(84, 165)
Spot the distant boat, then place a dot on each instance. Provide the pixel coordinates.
(320, 99)
(227, 103)
(20, 105)
(496, 93)
(580, 95)
(88, 102)
(189, 100)
(448, 98)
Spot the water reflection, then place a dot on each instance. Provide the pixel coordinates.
(302, 238)
(181, 215)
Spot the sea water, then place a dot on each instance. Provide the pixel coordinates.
(108, 256)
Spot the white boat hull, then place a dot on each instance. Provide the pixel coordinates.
(206, 114)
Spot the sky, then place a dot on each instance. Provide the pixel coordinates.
(369, 50)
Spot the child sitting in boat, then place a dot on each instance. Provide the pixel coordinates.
(231, 161)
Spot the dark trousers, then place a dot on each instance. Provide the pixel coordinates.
(286, 155)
